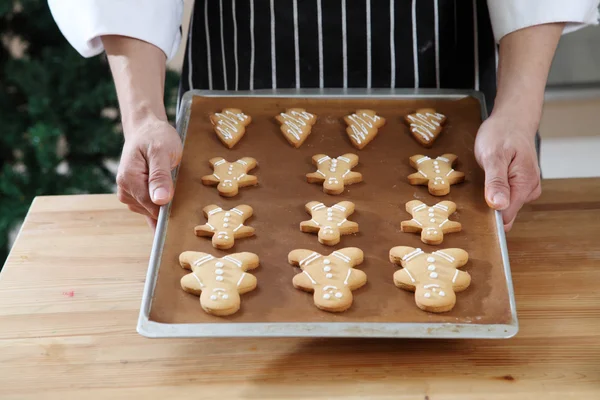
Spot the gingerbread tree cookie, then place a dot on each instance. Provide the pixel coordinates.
(224, 226)
(432, 221)
(329, 222)
(229, 177)
(331, 278)
(334, 173)
(218, 281)
(433, 277)
(296, 125)
(425, 125)
(437, 174)
(363, 126)
(230, 125)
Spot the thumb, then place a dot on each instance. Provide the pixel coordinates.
(497, 188)
(160, 183)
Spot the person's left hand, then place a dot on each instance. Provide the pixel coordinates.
(505, 149)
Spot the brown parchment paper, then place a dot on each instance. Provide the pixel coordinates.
(380, 199)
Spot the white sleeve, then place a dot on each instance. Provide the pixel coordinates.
(83, 22)
(511, 15)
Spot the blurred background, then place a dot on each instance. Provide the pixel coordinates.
(60, 130)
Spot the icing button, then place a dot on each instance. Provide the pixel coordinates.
(329, 276)
(442, 293)
(430, 259)
(219, 278)
(326, 296)
(339, 295)
(326, 261)
(428, 295)
(431, 267)
(433, 275)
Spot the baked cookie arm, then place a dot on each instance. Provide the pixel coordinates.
(246, 283)
(247, 180)
(450, 157)
(244, 231)
(356, 279)
(303, 281)
(204, 230)
(353, 177)
(215, 160)
(413, 160)
(410, 226)
(451, 227)
(404, 279)
(191, 283)
(315, 177)
(210, 180)
(417, 179)
(456, 177)
(188, 258)
(309, 226)
(250, 163)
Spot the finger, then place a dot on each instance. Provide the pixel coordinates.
(132, 191)
(497, 188)
(151, 223)
(508, 227)
(160, 183)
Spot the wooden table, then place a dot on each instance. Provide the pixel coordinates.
(71, 289)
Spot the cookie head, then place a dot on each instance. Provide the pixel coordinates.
(332, 297)
(220, 301)
(435, 296)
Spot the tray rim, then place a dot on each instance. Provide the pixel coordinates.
(152, 329)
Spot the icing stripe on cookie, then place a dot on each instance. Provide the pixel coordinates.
(441, 207)
(420, 160)
(455, 276)
(418, 223)
(219, 162)
(216, 176)
(443, 159)
(210, 226)
(343, 209)
(239, 226)
(216, 210)
(341, 256)
(315, 222)
(423, 173)
(419, 208)
(344, 159)
(241, 279)
(342, 223)
(451, 171)
(347, 276)
(198, 279)
(242, 162)
(412, 254)
(202, 260)
(240, 177)
(443, 223)
(345, 173)
(309, 259)
(323, 159)
(317, 206)
(233, 260)
(235, 210)
(310, 277)
(447, 257)
(409, 275)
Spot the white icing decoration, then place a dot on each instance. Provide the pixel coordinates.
(229, 122)
(326, 261)
(443, 159)
(431, 267)
(443, 222)
(342, 222)
(235, 210)
(429, 123)
(213, 297)
(442, 293)
(225, 296)
(344, 159)
(412, 254)
(433, 275)
(361, 125)
(309, 259)
(216, 176)
(241, 279)
(417, 222)
(329, 276)
(451, 171)
(455, 276)
(430, 259)
(327, 269)
(409, 275)
(216, 210)
(225, 225)
(420, 160)
(210, 226)
(431, 214)
(432, 220)
(221, 161)
(347, 276)
(233, 260)
(423, 173)
(317, 206)
(202, 260)
(242, 162)
(326, 296)
(444, 255)
(339, 295)
(418, 208)
(228, 214)
(428, 295)
(441, 207)
(198, 279)
(310, 277)
(219, 271)
(341, 256)
(220, 278)
(295, 121)
(431, 285)
(323, 159)
(239, 226)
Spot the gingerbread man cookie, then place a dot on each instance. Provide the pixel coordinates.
(425, 125)
(363, 126)
(218, 281)
(296, 125)
(329, 222)
(437, 174)
(334, 173)
(432, 221)
(224, 226)
(229, 177)
(331, 278)
(230, 125)
(433, 277)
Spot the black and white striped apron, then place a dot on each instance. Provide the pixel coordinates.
(263, 44)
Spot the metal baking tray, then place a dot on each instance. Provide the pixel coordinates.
(323, 324)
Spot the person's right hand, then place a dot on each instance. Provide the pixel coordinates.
(152, 150)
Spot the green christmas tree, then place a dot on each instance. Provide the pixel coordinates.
(59, 120)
